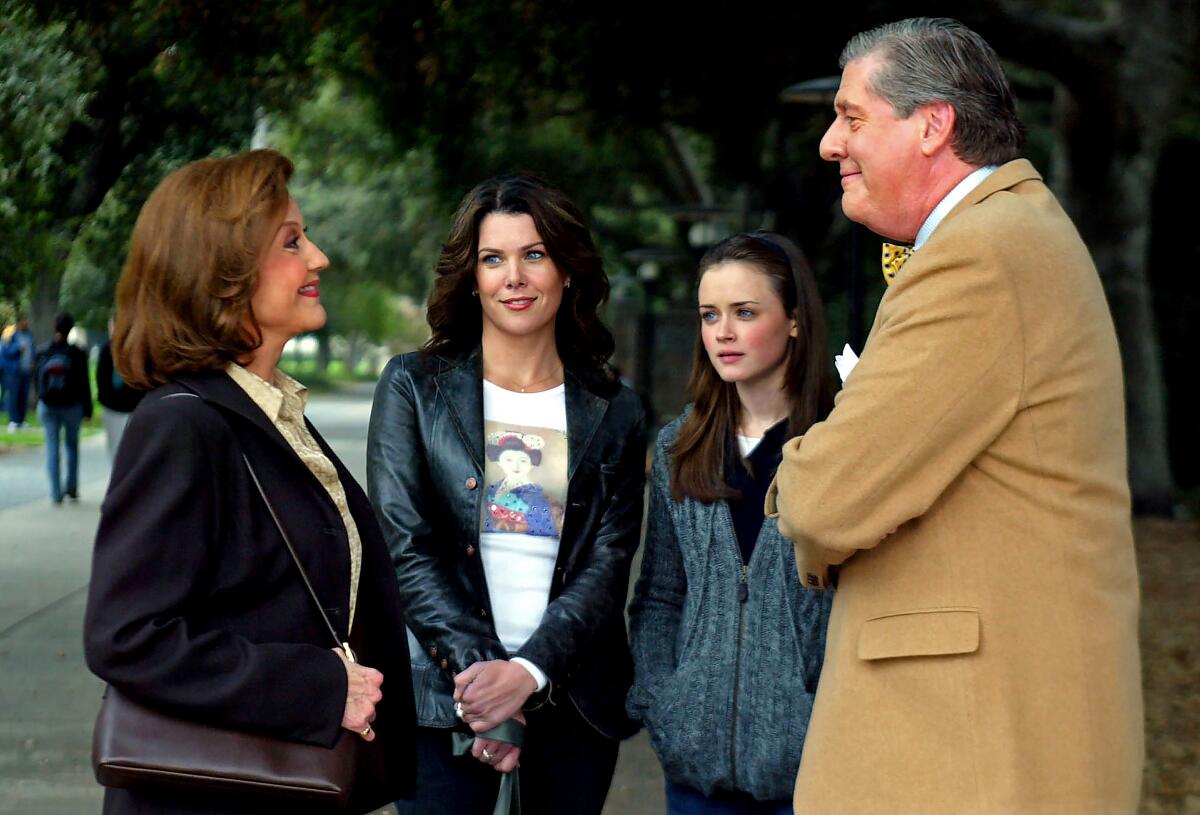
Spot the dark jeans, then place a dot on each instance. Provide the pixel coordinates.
(683, 800)
(66, 420)
(18, 396)
(566, 769)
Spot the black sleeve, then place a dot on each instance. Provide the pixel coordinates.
(596, 593)
(398, 481)
(104, 372)
(161, 530)
(83, 382)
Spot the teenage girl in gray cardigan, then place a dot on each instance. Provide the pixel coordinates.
(727, 644)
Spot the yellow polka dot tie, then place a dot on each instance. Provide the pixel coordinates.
(894, 255)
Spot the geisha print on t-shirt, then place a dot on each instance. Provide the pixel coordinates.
(521, 517)
(518, 501)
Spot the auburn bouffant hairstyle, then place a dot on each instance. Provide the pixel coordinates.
(183, 300)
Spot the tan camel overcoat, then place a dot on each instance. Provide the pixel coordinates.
(970, 487)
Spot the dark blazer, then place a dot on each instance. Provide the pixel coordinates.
(196, 606)
(425, 467)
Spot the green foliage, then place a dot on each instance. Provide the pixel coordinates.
(41, 94)
(89, 90)
(369, 205)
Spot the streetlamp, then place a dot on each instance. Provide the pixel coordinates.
(648, 261)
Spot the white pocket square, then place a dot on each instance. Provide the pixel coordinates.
(845, 361)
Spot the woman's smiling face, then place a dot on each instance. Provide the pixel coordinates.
(520, 287)
(287, 297)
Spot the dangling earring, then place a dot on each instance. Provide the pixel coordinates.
(567, 285)
(474, 292)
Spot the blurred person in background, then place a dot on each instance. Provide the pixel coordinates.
(64, 401)
(114, 394)
(195, 605)
(19, 353)
(8, 365)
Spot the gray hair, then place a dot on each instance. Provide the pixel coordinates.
(934, 59)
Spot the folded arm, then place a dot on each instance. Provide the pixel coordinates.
(940, 378)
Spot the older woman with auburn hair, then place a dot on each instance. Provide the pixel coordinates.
(196, 608)
(506, 463)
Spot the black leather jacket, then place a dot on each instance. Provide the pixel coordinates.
(425, 468)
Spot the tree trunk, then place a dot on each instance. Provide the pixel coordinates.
(324, 352)
(1123, 80)
(1115, 223)
(1112, 127)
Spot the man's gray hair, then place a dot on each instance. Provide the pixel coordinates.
(934, 59)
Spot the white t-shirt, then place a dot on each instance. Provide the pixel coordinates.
(525, 494)
(746, 444)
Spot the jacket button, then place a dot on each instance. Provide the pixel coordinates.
(470, 551)
(471, 483)
(483, 613)
(445, 664)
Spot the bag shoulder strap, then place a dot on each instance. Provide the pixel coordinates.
(345, 646)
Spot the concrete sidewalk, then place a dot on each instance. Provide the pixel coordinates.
(48, 699)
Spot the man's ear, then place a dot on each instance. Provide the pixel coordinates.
(937, 126)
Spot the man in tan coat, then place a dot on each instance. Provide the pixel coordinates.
(968, 494)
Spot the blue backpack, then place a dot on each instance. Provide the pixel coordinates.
(54, 379)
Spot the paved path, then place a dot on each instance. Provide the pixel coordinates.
(48, 699)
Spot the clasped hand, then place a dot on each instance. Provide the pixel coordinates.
(362, 695)
(491, 693)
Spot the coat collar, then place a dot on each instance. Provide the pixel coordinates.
(1006, 176)
(219, 389)
(460, 385)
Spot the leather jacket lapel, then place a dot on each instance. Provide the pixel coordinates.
(585, 410)
(461, 388)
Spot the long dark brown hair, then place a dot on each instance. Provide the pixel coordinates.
(183, 300)
(455, 316)
(699, 452)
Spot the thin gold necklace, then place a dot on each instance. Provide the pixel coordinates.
(557, 375)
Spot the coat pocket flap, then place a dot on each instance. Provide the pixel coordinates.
(920, 633)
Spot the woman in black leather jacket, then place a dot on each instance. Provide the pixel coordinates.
(506, 464)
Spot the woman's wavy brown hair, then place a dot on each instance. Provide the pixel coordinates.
(699, 454)
(455, 315)
(183, 300)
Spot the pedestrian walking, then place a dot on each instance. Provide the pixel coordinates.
(8, 366)
(20, 352)
(64, 394)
